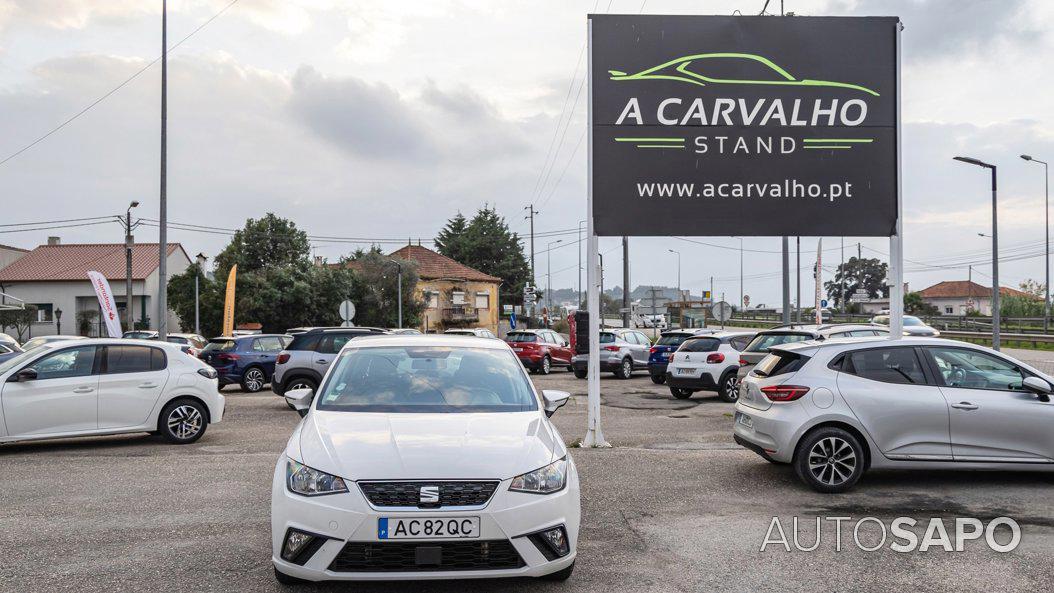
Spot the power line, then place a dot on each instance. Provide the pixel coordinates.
(13, 224)
(64, 226)
(116, 88)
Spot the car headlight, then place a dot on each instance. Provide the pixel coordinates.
(307, 481)
(544, 480)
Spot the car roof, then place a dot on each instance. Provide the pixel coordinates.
(851, 343)
(451, 340)
(111, 342)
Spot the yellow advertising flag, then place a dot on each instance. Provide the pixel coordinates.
(228, 303)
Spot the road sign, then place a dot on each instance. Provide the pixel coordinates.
(347, 311)
(746, 301)
(512, 321)
(823, 303)
(807, 112)
(721, 311)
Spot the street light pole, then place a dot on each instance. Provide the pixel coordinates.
(1046, 218)
(580, 223)
(162, 264)
(549, 276)
(200, 259)
(679, 297)
(129, 242)
(995, 247)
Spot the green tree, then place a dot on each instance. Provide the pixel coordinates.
(268, 242)
(486, 244)
(858, 273)
(377, 296)
(18, 319)
(914, 305)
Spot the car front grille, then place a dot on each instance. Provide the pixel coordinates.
(405, 557)
(408, 494)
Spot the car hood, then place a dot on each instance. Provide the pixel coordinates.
(373, 446)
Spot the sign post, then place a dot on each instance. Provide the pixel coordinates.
(742, 126)
(347, 313)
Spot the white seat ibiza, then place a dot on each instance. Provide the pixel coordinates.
(424, 457)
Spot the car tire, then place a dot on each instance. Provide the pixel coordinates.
(560, 575)
(829, 460)
(625, 369)
(546, 366)
(579, 374)
(681, 392)
(728, 390)
(253, 380)
(287, 580)
(183, 421)
(658, 379)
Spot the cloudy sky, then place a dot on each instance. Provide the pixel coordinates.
(378, 120)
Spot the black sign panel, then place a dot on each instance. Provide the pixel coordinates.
(737, 125)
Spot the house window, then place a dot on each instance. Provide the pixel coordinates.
(949, 310)
(458, 298)
(482, 300)
(44, 312)
(433, 299)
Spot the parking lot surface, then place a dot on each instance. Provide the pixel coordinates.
(675, 505)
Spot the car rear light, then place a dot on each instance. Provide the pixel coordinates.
(283, 358)
(653, 350)
(715, 358)
(784, 393)
(743, 362)
(611, 348)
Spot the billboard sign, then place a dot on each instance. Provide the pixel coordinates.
(739, 125)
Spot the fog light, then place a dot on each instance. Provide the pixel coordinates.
(552, 543)
(295, 543)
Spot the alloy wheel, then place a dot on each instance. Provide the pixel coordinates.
(732, 387)
(627, 368)
(546, 365)
(832, 461)
(299, 385)
(254, 379)
(184, 422)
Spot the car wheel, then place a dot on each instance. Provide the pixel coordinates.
(829, 460)
(729, 388)
(658, 379)
(625, 370)
(182, 421)
(285, 579)
(580, 374)
(546, 366)
(253, 379)
(681, 392)
(561, 575)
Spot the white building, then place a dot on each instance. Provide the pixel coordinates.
(8, 255)
(957, 297)
(54, 277)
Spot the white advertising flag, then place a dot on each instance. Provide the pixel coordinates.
(109, 308)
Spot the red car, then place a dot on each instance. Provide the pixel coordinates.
(540, 349)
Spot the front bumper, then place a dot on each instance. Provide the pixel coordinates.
(350, 518)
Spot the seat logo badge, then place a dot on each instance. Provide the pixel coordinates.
(429, 494)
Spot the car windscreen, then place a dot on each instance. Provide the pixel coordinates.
(763, 342)
(671, 340)
(521, 337)
(177, 340)
(700, 345)
(426, 379)
(220, 346)
(607, 338)
(909, 321)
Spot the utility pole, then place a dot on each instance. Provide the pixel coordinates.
(162, 265)
(129, 243)
(580, 223)
(549, 277)
(797, 282)
(741, 273)
(1046, 234)
(786, 281)
(200, 258)
(625, 281)
(841, 276)
(534, 281)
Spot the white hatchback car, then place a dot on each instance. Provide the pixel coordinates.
(424, 457)
(107, 386)
(707, 363)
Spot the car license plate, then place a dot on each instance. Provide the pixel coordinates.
(684, 371)
(666, 355)
(744, 420)
(427, 527)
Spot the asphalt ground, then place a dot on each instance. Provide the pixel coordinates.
(674, 505)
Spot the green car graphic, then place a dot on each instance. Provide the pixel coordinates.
(691, 69)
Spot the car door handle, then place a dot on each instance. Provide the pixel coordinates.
(84, 390)
(147, 385)
(965, 406)
(321, 361)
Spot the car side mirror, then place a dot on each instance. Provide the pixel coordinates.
(554, 400)
(300, 399)
(24, 375)
(1038, 386)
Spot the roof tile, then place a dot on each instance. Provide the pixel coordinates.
(73, 262)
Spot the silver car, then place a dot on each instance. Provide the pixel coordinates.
(834, 409)
(913, 326)
(622, 351)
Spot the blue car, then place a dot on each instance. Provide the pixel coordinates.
(246, 360)
(660, 354)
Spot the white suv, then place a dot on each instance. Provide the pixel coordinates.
(707, 363)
